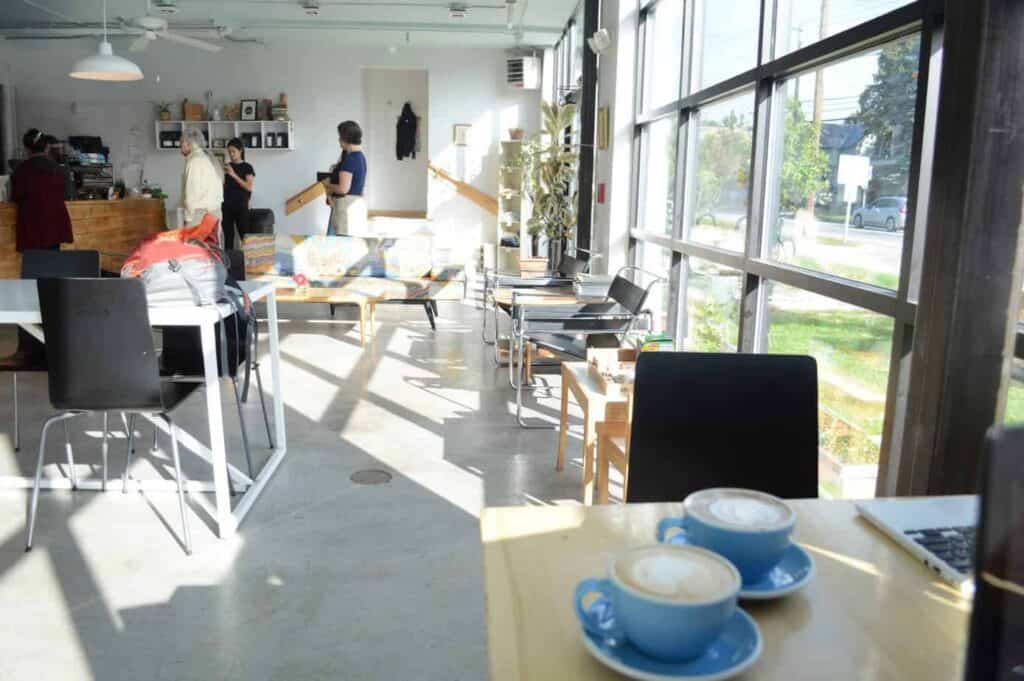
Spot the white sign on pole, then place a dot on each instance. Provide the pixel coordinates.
(854, 172)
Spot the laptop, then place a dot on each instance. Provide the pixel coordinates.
(940, 531)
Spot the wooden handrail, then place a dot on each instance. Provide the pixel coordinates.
(484, 201)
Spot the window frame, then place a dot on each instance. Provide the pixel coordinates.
(767, 78)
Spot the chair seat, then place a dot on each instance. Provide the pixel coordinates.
(575, 346)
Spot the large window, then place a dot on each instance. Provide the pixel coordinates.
(658, 176)
(794, 207)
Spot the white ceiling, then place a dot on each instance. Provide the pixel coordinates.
(415, 23)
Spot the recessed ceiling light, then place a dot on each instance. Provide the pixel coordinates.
(311, 7)
(457, 10)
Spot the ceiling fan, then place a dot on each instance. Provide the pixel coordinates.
(150, 28)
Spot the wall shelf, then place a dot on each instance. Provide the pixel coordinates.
(270, 135)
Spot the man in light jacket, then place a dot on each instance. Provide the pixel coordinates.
(202, 182)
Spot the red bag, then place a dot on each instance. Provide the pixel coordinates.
(188, 243)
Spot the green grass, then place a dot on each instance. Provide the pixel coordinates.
(852, 348)
(1015, 403)
(883, 279)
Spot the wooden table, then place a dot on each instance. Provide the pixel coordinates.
(871, 612)
(365, 302)
(555, 295)
(596, 406)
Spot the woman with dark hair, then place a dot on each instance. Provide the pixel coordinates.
(346, 183)
(239, 178)
(37, 187)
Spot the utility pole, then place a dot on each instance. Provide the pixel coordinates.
(819, 86)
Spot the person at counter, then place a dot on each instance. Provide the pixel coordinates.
(202, 181)
(345, 185)
(37, 187)
(239, 178)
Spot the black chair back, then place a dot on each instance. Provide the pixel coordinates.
(36, 264)
(101, 353)
(627, 294)
(723, 420)
(571, 266)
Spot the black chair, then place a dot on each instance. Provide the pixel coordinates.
(31, 354)
(182, 356)
(723, 420)
(102, 358)
(607, 334)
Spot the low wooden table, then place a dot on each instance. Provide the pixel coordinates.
(871, 612)
(596, 406)
(366, 303)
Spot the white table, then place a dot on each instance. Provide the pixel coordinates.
(19, 304)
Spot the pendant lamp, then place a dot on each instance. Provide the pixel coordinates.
(105, 65)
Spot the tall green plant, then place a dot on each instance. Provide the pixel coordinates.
(551, 165)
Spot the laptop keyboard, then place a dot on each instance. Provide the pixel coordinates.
(954, 545)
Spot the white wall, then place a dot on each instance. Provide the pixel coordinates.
(393, 184)
(322, 83)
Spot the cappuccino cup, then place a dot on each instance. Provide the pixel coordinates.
(670, 602)
(752, 529)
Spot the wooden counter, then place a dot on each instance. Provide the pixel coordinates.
(111, 227)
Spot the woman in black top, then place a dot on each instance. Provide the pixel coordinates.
(239, 178)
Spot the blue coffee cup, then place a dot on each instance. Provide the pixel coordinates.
(662, 627)
(754, 551)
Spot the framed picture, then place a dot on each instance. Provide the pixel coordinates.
(460, 134)
(248, 110)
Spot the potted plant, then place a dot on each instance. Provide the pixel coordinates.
(551, 166)
(163, 110)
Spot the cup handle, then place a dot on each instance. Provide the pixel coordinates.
(667, 524)
(599, 618)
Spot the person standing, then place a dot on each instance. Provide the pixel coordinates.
(202, 181)
(239, 178)
(37, 187)
(346, 184)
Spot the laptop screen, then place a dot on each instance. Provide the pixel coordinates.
(996, 649)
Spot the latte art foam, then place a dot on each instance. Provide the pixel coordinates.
(740, 509)
(681, 574)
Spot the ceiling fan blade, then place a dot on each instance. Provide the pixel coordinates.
(191, 42)
(139, 44)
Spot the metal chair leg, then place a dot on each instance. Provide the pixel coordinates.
(519, 393)
(17, 419)
(128, 453)
(156, 431)
(34, 504)
(263, 405)
(71, 457)
(105, 447)
(181, 483)
(241, 425)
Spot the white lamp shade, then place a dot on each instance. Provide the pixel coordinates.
(105, 65)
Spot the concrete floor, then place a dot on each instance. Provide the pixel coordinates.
(326, 579)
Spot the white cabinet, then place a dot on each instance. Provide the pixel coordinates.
(255, 135)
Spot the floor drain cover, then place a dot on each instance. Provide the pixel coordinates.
(370, 476)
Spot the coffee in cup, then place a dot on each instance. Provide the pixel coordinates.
(671, 602)
(750, 528)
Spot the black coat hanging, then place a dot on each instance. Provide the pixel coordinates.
(405, 146)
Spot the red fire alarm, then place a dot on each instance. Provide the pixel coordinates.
(600, 192)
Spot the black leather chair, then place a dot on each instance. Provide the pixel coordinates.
(102, 358)
(723, 420)
(182, 357)
(31, 354)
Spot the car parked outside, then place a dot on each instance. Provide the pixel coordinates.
(889, 212)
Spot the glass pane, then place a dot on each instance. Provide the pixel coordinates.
(658, 176)
(802, 22)
(852, 348)
(726, 38)
(1015, 394)
(719, 180)
(712, 307)
(845, 146)
(577, 48)
(658, 261)
(663, 53)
